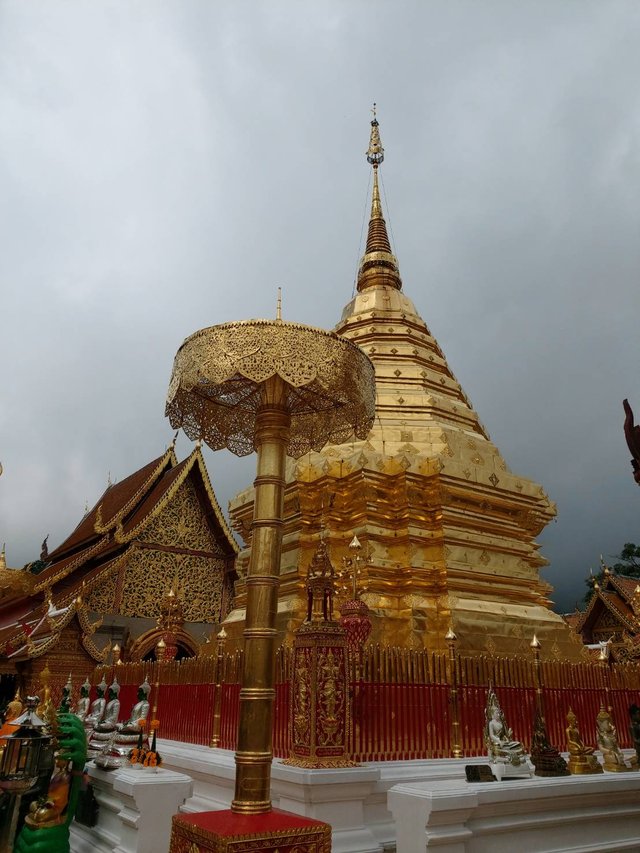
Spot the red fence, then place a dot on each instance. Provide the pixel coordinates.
(401, 708)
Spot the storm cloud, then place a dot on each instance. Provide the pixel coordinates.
(165, 167)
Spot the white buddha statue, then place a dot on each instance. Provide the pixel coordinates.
(499, 737)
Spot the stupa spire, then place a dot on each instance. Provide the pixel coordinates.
(378, 264)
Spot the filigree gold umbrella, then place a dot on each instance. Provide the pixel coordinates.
(280, 389)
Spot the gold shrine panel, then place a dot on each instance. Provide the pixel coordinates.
(149, 575)
(181, 524)
(102, 597)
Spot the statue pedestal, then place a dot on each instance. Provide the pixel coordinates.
(275, 831)
(501, 770)
(135, 810)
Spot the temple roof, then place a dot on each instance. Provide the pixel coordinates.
(113, 505)
(99, 542)
(615, 594)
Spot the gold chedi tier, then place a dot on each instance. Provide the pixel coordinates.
(448, 531)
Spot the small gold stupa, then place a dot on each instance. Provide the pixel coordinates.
(447, 528)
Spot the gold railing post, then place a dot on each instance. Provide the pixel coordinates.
(217, 698)
(535, 647)
(456, 743)
(604, 663)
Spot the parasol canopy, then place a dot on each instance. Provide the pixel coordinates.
(219, 376)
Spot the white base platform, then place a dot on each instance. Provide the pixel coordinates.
(430, 805)
(581, 814)
(136, 807)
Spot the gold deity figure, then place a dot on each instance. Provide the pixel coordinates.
(608, 743)
(14, 708)
(499, 737)
(581, 757)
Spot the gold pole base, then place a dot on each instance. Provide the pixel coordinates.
(227, 832)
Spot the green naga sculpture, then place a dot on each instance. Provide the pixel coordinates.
(46, 827)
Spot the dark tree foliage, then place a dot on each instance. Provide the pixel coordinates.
(628, 565)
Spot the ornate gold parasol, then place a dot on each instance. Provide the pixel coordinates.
(280, 389)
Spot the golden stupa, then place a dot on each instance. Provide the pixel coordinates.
(447, 529)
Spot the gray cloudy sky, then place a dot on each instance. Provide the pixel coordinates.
(164, 166)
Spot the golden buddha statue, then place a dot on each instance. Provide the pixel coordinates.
(608, 743)
(581, 757)
(14, 708)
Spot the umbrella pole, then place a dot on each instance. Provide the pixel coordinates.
(254, 750)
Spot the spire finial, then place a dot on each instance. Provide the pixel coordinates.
(375, 152)
(279, 305)
(378, 265)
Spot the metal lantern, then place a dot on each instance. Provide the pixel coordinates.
(22, 754)
(21, 751)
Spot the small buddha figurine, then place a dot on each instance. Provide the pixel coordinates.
(634, 731)
(104, 732)
(499, 737)
(65, 703)
(82, 708)
(13, 711)
(544, 756)
(581, 757)
(130, 731)
(14, 708)
(608, 743)
(98, 706)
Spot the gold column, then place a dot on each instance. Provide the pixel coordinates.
(254, 753)
(456, 743)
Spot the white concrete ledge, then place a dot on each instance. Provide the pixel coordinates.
(577, 813)
(353, 800)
